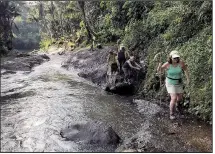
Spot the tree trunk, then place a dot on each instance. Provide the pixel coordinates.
(90, 32)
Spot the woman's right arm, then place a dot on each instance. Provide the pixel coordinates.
(129, 63)
(161, 67)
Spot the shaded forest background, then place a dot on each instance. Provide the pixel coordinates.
(146, 28)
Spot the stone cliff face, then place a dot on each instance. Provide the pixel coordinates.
(92, 65)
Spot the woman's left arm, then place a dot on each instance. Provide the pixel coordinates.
(184, 67)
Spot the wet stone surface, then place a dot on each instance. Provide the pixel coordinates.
(92, 132)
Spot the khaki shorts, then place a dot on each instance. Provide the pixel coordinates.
(174, 89)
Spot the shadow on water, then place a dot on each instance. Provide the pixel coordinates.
(16, 95)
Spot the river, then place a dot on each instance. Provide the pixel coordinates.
(36, 105)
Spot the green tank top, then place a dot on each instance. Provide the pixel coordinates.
(174, 73)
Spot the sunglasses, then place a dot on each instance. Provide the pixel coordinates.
(176, 58)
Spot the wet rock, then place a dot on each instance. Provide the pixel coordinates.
(121, 88)
(61, 52)
(92, 65)
(24, 63)
(7, 72)
(91, 133)
(45, 56)
(16, 95)
(89, 62)
(99, 46)
(83, 75)
(97, 76)
(22, 55)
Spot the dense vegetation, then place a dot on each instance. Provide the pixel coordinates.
(9, 11)
(146, 28)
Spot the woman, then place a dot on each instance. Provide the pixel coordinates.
(122, 55)
(174, 68)
(112, 66)
(129, 67)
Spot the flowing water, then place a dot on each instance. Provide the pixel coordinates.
(36, 105)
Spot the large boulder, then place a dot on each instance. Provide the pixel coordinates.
(91, 133)
(121, 88)
(99, 46)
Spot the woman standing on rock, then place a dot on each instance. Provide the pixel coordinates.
(122, 56)
(112, 67)
(174, 68)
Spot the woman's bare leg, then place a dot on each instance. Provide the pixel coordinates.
(179, 104)
(172, 103)
(179, 97)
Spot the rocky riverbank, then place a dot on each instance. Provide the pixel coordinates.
(156, 134)
(19, 61)
(157, 131)
(92, 65)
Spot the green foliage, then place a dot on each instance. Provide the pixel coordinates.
(181, 26)
(112, 21)
(71, 44)
(9, 11)
(198, 54)
(137, 9)
(46, 43)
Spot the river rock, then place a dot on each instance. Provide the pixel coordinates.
(95, 132)
(24, 63)
(121, 88)
(92, 65)
(99, 46)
